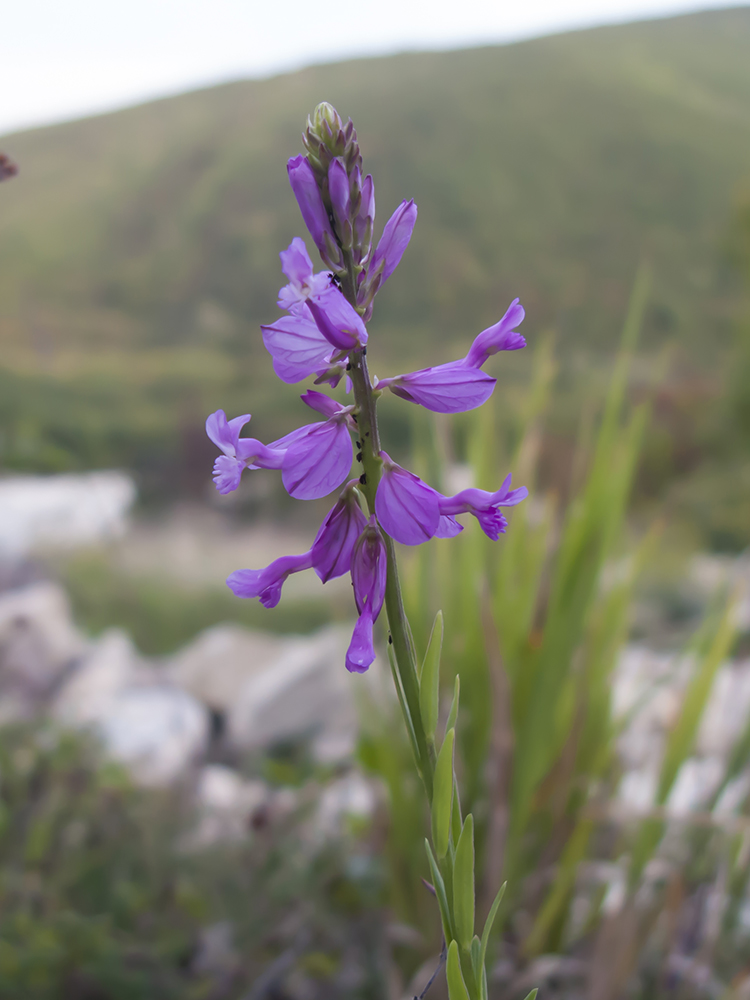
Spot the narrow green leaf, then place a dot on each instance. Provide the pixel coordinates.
(476, 955)
(456, 821)
(532, 995)
(490, 921)
(439, 886)
(404, 706)
(453, 714)
(429, 679)
(456, 985)
(463, 884)
(442, 796)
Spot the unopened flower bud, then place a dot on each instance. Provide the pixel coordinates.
(326, 113)
(325, 138)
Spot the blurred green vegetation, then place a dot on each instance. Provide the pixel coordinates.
(99, 899)
(160, 615)
(138, 250)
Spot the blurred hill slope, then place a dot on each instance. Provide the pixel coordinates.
(138, 250)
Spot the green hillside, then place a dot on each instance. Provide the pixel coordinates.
(138, 250)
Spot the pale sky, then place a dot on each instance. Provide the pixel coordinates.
(63, 59)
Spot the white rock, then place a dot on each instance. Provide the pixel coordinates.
(226, 804)
(349, 797)
(91, 691)
(39, 512)
(219, 661)
(306, 692)
(637, 789)
(38, 641)
(696, 780)
(220, 789)
(157, 730)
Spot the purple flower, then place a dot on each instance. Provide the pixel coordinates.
(337, 320)
(317, 457)
(310, 202)
(297, 266)
(239, 453)
(500, 337)
(321, 320)
(297, 347)
(484, 506)
(267, 583)
(369, 575)
(406, 507)
(449, 388)
(330, 554)
(336, 538)
(395, 240)
(413, 512)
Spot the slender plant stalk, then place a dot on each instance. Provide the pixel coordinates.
(369, 448)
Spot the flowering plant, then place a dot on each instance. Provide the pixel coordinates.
(323, 333)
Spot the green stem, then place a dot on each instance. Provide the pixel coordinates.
(365, 398)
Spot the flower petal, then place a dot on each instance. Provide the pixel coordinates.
(395, 239)
(322, 403)
(267, 583)
(297, 347)
(406, 507)
(369, 569)
(337, 319)
(338, 188)
(334, 543)
(448, 527)
(500, 337)
(449, 388)
(310, 202)
(319, 462)
(361, 651)
(224, 433)
(227, 474)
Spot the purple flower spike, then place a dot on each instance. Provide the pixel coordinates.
(319, 461)
(406, 507)
(500, 337)
(484, 506)
(297, 266)
(369, 576)
(297, 347)
(395, 239)
(338, 320)
(450, 388)
(267, 583)
(311, 205)
(334, 543)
